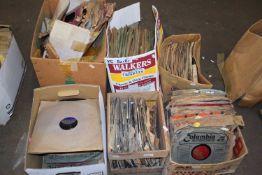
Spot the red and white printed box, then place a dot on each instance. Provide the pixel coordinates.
(135, 73)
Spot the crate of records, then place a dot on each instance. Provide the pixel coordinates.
(136, 131)
(132, 51)
(67, 131)
(69, 43)
(12, 68)
(205, 136)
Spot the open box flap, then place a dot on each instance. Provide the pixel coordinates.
(126, 16)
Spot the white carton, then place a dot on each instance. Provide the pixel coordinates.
(33, 162)
(136, 73)
(11, 73)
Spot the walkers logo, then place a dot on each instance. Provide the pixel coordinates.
(138, 64)
(132, 70)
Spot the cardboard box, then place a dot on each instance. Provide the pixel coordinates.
(170, 81)
(11, 74)
(33, 162)
(239, 151)
(164, 143)
(55, 72)
(135, 73)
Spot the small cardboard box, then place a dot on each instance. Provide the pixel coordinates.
(230, 166)
(135, 73)
(11, 74)
(170, 81)
(164, 143)
(33, 162)
(55, 72)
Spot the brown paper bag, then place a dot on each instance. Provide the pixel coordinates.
(49, 137)
(242, 72)
(170, 81)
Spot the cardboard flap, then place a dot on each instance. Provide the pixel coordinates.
(126, 16)
(68, 93)
(159, 32)
(49, 135)
(63, 38)
(238, 120)
(51, 93)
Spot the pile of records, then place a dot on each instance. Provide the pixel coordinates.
(178, 58)
(130, 40)
(202, 125)
(134, 128)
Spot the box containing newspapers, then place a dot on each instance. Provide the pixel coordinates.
(67, 131)
(132, 51)
(137, 133)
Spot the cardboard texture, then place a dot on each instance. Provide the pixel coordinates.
(69, 41)
(76, 139)
(33, 162)
(136, 73)
(55, 72)
(11, 73)
(240, 151)
(162, 153)
(242, 71)
(170, 81)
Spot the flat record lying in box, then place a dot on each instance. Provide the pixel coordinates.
(66, 126)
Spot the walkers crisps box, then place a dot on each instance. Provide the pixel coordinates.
(135, 73)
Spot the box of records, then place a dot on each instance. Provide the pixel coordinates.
(69, 42)
(204, 132)
(136, 131)
(12, 68)
(67, 131)
(132, 50)
(179, 64)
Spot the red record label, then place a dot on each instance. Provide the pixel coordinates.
(201, 152)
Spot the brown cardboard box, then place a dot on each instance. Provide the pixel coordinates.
(164, 143)
(53, 72)
(170, 81)
(239, 150)
(33, 161)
